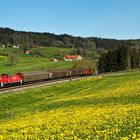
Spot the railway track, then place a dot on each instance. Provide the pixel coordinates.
(51, 82)
(39, 84)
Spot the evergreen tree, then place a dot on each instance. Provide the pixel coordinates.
(78, 52)
(102, 63)
(135, 58)
(115, 60)
(123, 52)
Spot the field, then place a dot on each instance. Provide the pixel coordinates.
(100, 108)
(31, 62)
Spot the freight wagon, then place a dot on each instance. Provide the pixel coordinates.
(28, 77)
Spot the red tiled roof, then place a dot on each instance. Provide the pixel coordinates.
(29, 51)
(72, 56)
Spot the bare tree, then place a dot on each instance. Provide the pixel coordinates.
(13, 59)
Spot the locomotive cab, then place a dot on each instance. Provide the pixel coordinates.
(7, 79)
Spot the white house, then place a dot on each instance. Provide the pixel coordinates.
(16, 46)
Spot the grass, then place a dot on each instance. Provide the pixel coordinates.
(95, 91)
(31, 62)
(93, 108)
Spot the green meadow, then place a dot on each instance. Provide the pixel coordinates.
(105, 108)
(32, 62)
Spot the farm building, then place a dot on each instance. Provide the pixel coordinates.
(54, 60)
(16, 46)
(28, 51)
(72, 57)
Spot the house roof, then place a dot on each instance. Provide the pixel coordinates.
(29, 51)
(72, 56)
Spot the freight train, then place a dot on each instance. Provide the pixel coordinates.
(36, 76)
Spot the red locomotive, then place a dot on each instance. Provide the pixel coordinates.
(6, 79)
(20, 78)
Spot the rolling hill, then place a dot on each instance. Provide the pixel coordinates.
(11, 37)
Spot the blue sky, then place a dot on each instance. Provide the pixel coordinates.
(102, 18)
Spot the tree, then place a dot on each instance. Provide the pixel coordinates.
(81, 51)
(13, 59)
(78, 52)
(84, 64)
(39, 52)
(135, 58)
(102, 63)
(114, 60)
(123, 52)
(111, 61)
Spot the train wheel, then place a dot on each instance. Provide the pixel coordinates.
(1, 84)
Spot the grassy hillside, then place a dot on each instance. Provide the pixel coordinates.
(33, 62)
(98, 108)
